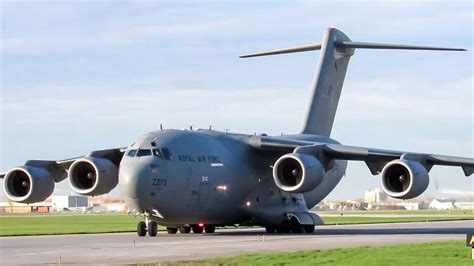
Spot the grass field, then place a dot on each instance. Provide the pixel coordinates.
(435, 253)
(403, 212)
(49, 224)
(66, 224)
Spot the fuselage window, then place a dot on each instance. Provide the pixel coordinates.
(143, 152)
(167, 154)
(132, 153)
(157, 153)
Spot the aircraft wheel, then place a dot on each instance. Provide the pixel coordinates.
(184, 229)
(209, 228)
(141, 228)
(270, 229)
(308, 228)
(295, 226)
(283, 229)
(171, 230)
(196, 229)
(297, 229)
(152, 228)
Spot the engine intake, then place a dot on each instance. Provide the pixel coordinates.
(404, 179)
(27, 184)
(296, 172)
(93, 176)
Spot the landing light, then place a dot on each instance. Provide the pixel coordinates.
(221, 187)
(247, 203)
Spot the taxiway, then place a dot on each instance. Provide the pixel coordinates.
(129, 248)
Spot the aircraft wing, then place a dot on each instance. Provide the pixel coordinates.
(58, 169)
(375, 159)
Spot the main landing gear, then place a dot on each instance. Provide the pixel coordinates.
(196, 228)
(150, 227)
(292, 227)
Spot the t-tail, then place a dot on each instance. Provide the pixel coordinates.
(336, 50)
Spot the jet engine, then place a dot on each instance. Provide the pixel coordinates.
(404, 179)
(296, 172)
(28, 184)
(93, 176)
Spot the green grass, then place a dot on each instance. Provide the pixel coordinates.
(370, 220)
(65, 224)
(435, 253)
(52, 224)
(417, 212)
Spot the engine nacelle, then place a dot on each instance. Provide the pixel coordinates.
(28, 184)
(404, 179)
(93, 176)
(296, 172)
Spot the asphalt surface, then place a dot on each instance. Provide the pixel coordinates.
(121, 248)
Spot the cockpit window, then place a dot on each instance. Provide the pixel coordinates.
(157, 153)
(143, 152)
(132, 153)
(167, 154)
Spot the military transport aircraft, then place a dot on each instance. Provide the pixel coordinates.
(199, 179)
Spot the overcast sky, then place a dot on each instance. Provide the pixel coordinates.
(88, 75)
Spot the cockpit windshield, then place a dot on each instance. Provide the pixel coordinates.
(143, 152)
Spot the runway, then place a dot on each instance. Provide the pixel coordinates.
(129, 248)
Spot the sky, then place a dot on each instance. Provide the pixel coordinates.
(89, 75)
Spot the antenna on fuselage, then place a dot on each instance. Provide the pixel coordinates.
(161, 126)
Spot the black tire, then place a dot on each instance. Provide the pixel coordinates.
(197, 229)
(270, 229)
(141, 228)
(297, 228)
(152, 228)
(284, 229)
(172, 230)
(184, 229)
(308, 228)
(209, 228)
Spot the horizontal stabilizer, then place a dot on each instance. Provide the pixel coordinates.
(296, 49)
(368, 45)
(353, 45)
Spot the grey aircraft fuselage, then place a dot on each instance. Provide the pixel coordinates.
(212, 177)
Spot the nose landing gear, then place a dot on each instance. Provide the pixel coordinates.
(147, 226)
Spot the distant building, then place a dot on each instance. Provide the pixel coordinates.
(375, 196)
(442, 204)
(15, 207)
(413, 206)
(71, 202)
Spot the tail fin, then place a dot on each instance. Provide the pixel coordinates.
(336, 50)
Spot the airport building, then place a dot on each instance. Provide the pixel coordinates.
(376, 195)
(442, 204)
(15, 207)
(69, 203)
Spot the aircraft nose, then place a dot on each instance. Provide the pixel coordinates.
(133, 181)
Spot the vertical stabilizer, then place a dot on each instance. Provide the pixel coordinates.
(336, 50)
(327, 84)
